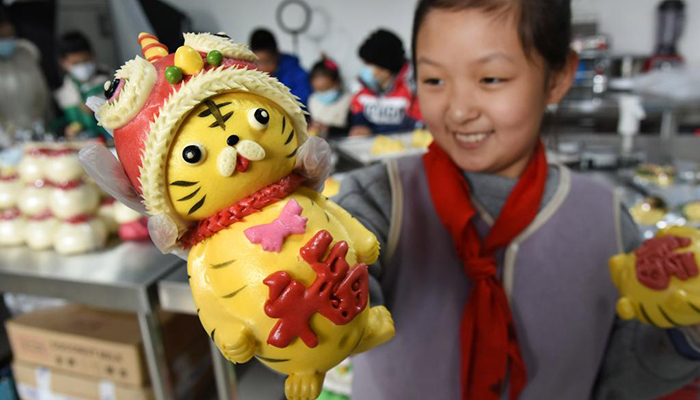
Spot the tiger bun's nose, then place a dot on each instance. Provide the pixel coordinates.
(232, 140)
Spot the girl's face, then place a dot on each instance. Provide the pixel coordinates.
(322, 82)
(481, 96)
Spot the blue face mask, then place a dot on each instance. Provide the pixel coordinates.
(7, 47)
(367, 77)
(328, 96)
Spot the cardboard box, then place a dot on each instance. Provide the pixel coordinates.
(40, 383)
(97, 343)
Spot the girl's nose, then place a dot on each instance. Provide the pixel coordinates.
(463, 107)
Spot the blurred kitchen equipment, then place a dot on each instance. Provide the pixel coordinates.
(670, 23)
(631, 113)
(594, 63)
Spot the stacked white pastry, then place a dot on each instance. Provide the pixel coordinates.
(74, 202)
(11, 222)
(33, 200)
(107, 211)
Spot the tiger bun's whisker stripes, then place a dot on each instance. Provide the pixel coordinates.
(284, 124)
(189, 196)
(207, 112)
(647, 317)
(183, 183)
(289, 139)
(224, 119)
(223, 264)
(292, 154)
(667, 317)
(197, 206)
(215, 110)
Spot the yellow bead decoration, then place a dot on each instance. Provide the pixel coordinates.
(188, 60)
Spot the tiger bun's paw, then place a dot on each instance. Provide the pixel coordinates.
(380, 329)
(304, 386)
(239, 348)
(367, 249)
(625, 309)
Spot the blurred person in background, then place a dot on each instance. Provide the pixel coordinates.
(83, 78)
(329, 104)
(386, 102)
(284, 67)
(24, 108)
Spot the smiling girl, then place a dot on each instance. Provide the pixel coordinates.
(494, 261)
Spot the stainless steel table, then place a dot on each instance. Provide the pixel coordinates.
(121, 277)
(258, 383)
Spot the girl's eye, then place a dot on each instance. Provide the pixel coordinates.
(491, 80)
(194, 154)
(258, 118)
(432, 81)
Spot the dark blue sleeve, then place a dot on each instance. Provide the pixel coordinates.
(680, 342)
(359, 119)
(302, 86)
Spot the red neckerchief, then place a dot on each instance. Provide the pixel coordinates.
(487, 335)
(240, 209)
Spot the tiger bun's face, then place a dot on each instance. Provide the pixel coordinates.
(228, 147)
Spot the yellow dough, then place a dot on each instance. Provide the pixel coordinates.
(675, 300)
(644, 214)
(331, 188)
(386, 145)
(657, 174)
(228, 271)
(277, 271)
(692, 211)
(421, 138)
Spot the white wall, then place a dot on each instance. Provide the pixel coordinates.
(339, 26)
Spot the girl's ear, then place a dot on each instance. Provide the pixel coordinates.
(560, 81)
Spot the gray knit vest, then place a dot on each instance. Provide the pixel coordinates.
(555, 274)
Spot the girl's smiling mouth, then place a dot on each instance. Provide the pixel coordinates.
(471, 140)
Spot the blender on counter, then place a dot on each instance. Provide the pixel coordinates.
(670, 22)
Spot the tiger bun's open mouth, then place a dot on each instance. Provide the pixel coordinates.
(242, 163)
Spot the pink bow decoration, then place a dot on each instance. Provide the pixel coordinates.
(272, 235)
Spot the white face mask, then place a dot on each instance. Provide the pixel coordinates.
(83, 71)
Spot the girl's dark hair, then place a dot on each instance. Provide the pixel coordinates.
(327, 67)
(543, 25)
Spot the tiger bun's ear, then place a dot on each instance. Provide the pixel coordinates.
(127, 93)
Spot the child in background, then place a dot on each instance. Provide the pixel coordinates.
(284, 67)
(329, 104)
(83, 78)
(386, 102)
(494, 262)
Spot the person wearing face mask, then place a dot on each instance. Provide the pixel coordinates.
(22, 81)
(386, 103)
(83, 78)
(329, 104)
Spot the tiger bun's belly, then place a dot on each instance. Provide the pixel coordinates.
(229, 268)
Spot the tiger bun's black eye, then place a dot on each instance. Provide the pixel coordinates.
(262, 116)
(109, 91)
(193, 154)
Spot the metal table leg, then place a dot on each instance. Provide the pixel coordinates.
(225, 376)
(152, 335)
